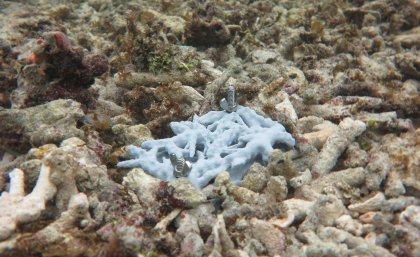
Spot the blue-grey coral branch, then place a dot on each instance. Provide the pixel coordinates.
(215, 142)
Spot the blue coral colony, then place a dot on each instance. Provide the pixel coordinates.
(229, 140)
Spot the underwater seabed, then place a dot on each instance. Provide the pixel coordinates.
(255, 128)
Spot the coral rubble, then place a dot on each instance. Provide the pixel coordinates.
(52, 69)
(201, 94)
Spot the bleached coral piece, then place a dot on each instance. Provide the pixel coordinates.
(295, 209)
(188, 233)
(318, 247)
(272, 237)
(302, 179)
(336, 144)
(347, 223)
(16, 208)
(353, 177)
(59, 238)
(286, 109)
(77, 210)
(215, 142)
(411, 216)
(372, 204)
(219, 243)
(320, 133)
(356, 245)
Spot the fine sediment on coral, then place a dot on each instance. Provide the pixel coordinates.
(48, 123)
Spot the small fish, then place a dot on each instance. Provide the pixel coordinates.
(229, 104)
(182, 167)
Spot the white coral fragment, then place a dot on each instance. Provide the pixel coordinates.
(347, 223)
(272, 238)
(372, 204)
(295, 209)
(320, 133)
(16, 208)
(411, 215)
(219, 243)
(336, 144)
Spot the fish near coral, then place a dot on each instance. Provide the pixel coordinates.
(215, 142)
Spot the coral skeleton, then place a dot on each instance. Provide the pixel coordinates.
(215, 142)
(16, 208)
(336, 143)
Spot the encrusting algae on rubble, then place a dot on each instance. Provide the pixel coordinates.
(326, 107)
